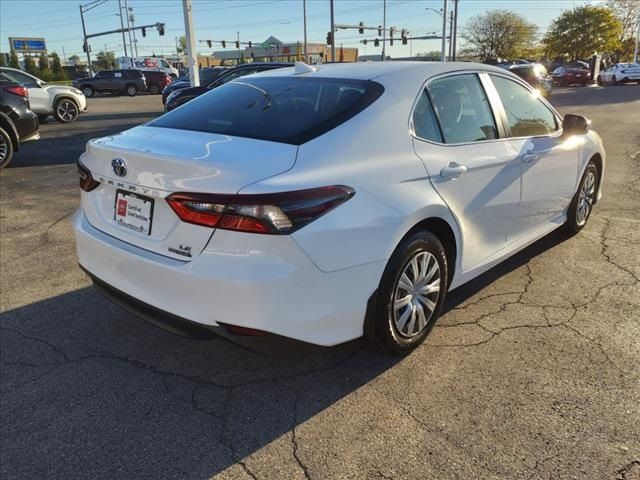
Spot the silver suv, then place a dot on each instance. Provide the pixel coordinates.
(64, 103)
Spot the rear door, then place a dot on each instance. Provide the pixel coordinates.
(548, 162)
(39, 99)
(474, 170)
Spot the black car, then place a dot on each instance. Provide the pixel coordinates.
(18, 124)
(182, 96)
(207, 75)
(535, 75)
(113, 81)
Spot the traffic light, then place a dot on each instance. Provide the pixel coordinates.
(391, 32)
(144, 32)
(403, 34)
(209, 43)
(160, 27)
(379, 30)
(364, 42)
(249, 43)
(86, 47)
(237, 44)
(361, 27)
(224, 44)
(329, 38)
(376, 43)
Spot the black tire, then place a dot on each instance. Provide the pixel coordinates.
(576, 220)
(42, 117)
(389, 336)
(131, 90)
(154, 89)
(599, 80)
(88, 91)
(66, 110)
(6, 148)
(614, 80)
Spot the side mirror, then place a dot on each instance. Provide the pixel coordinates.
(575, 125)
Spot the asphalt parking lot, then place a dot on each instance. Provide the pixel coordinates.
(533, 372)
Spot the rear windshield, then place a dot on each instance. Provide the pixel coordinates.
(282, 109)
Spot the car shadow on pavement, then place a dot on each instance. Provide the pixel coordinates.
(88, 391)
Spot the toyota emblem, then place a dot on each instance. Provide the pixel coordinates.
(119, 167)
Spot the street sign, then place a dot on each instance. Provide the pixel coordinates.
(27, 45)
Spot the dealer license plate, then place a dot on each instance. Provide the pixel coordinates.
(134, 211)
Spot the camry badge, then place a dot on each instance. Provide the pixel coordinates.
(119, 167)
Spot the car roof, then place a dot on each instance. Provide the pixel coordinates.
(370, 70)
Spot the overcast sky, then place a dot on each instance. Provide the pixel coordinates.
(58, 21)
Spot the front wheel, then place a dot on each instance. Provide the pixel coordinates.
(6, 148)
(411, 293)
(582, 203)
(88, 91)
(131, 90)
(599, 80)
(66, 110)
(154, 89)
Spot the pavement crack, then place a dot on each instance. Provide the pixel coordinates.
(622, 472)
(294, 440)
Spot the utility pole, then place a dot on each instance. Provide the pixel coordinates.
(133, 19)
(333, 34)
(454, 34)
(450, 33)
(64, 57)
(192, 61)
(86, 45)
(126, 12)
(635, 54)
(384, 29)
(444, 33)
(124, 39)
(239, 53)
(304, 15)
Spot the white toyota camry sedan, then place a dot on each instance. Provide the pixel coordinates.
(322, 204)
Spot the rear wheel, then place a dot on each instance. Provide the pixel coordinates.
(599, 80)
(582, 203)
(614, 80)
(131, 90)
(66, 110)
(154, 89)
(411, 293)
(88, 91)
(6, 148)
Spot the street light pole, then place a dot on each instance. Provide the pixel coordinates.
(304, 15)
(126, 12)
(384, 30)
(86, 45)
(194, 74)
(124, 39)
(132, 19)
(454, 34)
(444, 33)
(635, 54)
(333, 34)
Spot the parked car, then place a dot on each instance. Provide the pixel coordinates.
(620, 73)
(113, 81)
(565, 76)
(64, 103)
(346, 199)
(207, 75)
(147, 64)
(182, 96)
(18, 124)
(535, 75)
(157, 81)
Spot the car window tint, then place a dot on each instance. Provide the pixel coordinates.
(526, 114)
(425, 124)
(22, 78)
(236, 74)
(282, 109)
(106, 75)
(463, 109)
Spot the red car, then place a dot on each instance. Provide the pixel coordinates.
(565, 76)
(156, 81)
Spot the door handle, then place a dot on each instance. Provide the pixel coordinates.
(453, 170)
(529, 157)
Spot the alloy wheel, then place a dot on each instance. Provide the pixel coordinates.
(586, 198)
(67, 110)
(416, 294)
(4, 149)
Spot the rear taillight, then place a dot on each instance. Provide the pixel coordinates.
(271, 213)
(87, 183)
(18, 90)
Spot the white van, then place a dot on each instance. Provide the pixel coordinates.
(147, 63)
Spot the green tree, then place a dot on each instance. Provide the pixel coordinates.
(106, 60)
(43, 63)
(628, 12)
(13, 60)
(56, 67)
(30, 66)
(583, 31)
(74, 58)
(3, 60)
(499, 34)
(430, 54)
(182, 45)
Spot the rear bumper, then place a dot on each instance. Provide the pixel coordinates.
(255, 281)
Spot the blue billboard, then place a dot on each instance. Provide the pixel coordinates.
(27, 45)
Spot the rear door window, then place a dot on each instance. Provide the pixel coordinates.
(283, 109)
(425, 124)
(462, 109)
(526, 114)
